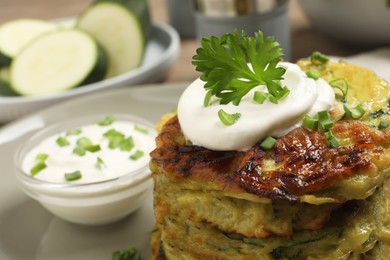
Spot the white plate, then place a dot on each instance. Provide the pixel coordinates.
(28, 231)
(161, 51)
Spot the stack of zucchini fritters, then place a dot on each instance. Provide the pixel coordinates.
(303, 199)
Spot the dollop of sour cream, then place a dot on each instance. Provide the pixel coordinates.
(113, 162)
(202, 126)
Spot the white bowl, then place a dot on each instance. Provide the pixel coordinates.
(359, 22)
(91, 203)
(161, 51)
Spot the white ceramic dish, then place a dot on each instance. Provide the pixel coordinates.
(28, 231)
(358, 22)
(89, 203)
(162, 50)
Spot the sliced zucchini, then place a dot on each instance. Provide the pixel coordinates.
(121, 27)
(58, 61)
(15, 34)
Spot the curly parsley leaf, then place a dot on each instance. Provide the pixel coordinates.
(223, 63)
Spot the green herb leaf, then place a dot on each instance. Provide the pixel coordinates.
(108, 120)
(223, 64)
(130, 254)
(73, 176)
(319, 58)
(268, 143)
(74, 132)
(228, 119)
(37, 168)
(138, 154)
(62, 141)
(141, 129)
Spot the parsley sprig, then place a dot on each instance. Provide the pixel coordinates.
(223, 63)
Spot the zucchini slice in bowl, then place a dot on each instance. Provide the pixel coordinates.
(57, 61)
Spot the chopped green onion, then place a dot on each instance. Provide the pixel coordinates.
(207, 98)
(313, 74)
(281, 94)
(99, 162)
(108, 120)
(79, 150)
(383, 124)
(228, 119)
(331, 139)
(311, 123)
(74, 132)
(114, 137)
(259, 97)
(84, 142)
(127, 144)
(92, 148)
(340, 84)
(37, 168)
(317, 57)
(324, 120)
(138, 154)
(268, 143)
(72, 176)
(141, 129)
(41, 157)
(354, 112)
(62, 141)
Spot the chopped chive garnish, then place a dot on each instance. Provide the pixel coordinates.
(311, 123)
(41, 157)
(84, 142)
(92, 148)
(268, 143)
(62, 141)
(74, 132)
(354, 112)
(283, 93)
(114, 137)
(207, 98)
(79, 150)
(136, 155)
(108, 120)
(127, 144)
(324, 120)
(383, 124)
(259, 97)
(331, 139)
(99, 162)
(317, 57)
(340, 84)
(313, 74)
(228, 119)
(72, 176)
(37, 168)
(141, 129)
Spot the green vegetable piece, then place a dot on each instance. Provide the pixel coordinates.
(84, 142)
(79, 150)
(207, 98)
(268, 143)
(259, 97)
(92, 148)
(340, 84)
(41, 157)
(100, 163)
(319, 58)
(313, 74)
(130, 254)
(281, 95)
(74, 132)
(228, 119)
(62, 141)
(331, 139)
(138, 154)
(37, 168)
(108, 120)
(127, 144)
(311, 123)
(114, 137)
(383, 124)
(324, 120)
(223, 65)
(141, 129)
(354, 112)
(73, 176)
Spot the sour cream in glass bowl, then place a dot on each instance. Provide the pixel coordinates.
(89, 170)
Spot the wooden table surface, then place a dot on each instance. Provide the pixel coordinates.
(304, 38)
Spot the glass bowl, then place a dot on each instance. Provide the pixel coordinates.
(93, 202)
